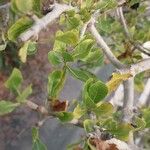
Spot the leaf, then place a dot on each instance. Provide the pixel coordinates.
(28, 48)
(88, 125)
(23, 52)
(95, 56)
(14, 80)
(98, 91)
(105, 5)
(78, 73)
(139, 123)
(3, 47)
(67, 57)
(58, 105)
(79, 111)
(116, 80)
(105, 24)
(37, 143)
(69, 37)
(36, 6)
(54, 58)
(109, 124)
(87, 101)
(59, 45)
(24, 95)
(7, 107)
(55, 82)
(122, 131)
(32, 48)
(19, 27)
(82, 49)
(22, 6)
(104, 109)
(146, 116)
(65, 116)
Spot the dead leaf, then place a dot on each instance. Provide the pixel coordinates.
(102, 145)
(58, 105)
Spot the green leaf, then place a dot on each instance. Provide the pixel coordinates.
(105, 24)
(65, 116)
(7, 107)
(88, 125)
(67, 57)
(54, 58)
(59, 45)
(122, 131)
(104, 109)
(37, 143)
(14, 80)
(146, 116)
(36, 6)
(24, 95)
(83, 49)
(87, 101)
(55, 82)
(79, 111)
(139, 123)
(28, 48)
(95, 56)
(79, 74)
(109, 124)
(98, 91)
(22, 6)
(105, 5)
(23, 52)
(32, 48)
(19, 27)
(3, 47)
(69, 37)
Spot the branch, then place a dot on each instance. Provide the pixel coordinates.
(44, 111)
(58, 9)
(127, 33)
(104, 46)
(144, 97)
(37, 108)
(128, 100)
(5, 6)
(137, 68)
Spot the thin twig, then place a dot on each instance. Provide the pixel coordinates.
(104, 46)
(127, 33)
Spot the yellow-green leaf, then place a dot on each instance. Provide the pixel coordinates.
(116, 80)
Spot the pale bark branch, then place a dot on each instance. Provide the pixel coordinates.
(127, 33)
(5, 6)
(44, 111)
(104, 46)
(42, 23)
(144, 97)
(128, 100)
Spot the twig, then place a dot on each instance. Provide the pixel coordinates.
(128, 100)
(144, 97)
(137, 68)
(127, 33)
(5, 6)
(104, 46)
(58, 9)
(44, 111)
(37, 108)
